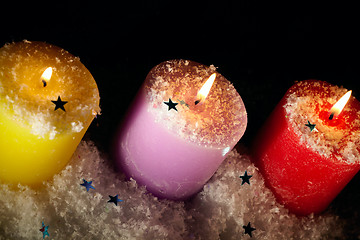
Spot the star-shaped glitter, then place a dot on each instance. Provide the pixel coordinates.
(115, 199)
(311, 126)
(245, 178)
(44, 230)
(182, 102)
(171, 105)
(87, 185)
(59, 104)
(249, 229)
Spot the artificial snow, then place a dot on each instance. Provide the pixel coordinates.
(218, 212)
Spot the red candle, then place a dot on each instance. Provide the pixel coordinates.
(308, 150)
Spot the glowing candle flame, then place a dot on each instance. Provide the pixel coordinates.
(205, 89)
(339, 105)
(46, 76)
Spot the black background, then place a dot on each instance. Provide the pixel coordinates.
(261, 47)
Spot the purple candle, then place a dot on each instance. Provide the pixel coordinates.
(183, 122)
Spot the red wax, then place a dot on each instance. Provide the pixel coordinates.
(307, 169)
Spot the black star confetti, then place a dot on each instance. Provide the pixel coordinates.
(44, 230)
(59, 104)
(115, 199)
(245, 178)
(311, 126)
(249, 229)
(171, 105)
(87, 185)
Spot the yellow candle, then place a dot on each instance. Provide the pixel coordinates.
(47, 101)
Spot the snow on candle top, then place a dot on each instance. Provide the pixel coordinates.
(32, 77)
(218, 119)
(338, 136)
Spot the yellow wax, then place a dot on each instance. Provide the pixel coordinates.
(37, 141)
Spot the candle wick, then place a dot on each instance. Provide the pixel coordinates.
(197, 102)
(44, 83)
(331, 116)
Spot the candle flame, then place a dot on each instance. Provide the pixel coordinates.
(339, 105)
(205, 89)
(46, 76)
